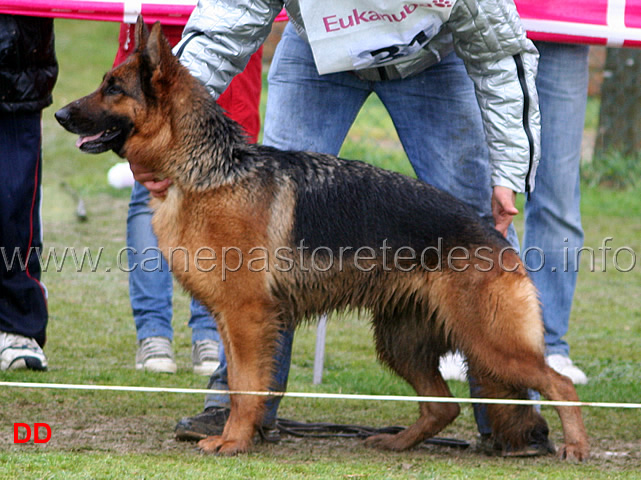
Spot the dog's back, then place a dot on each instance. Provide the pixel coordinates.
(350, 203)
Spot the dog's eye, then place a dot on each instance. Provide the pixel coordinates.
(114, 89)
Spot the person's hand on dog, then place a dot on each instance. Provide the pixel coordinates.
(149, 180)
(503, 208)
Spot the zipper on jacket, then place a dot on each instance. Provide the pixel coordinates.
(520, 71)
(182, 47)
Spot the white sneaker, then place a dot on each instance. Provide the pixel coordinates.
(564, 366)
(18, 352)
(452, 367)
(155, 355)
(204, 356)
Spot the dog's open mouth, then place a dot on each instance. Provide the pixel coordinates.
(101, 141)
(98, 130)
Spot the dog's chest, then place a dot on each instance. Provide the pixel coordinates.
(167, 219)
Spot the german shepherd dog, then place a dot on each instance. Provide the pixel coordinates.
(284, 236)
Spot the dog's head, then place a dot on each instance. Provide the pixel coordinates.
(128, 103)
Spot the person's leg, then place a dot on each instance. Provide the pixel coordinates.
(439, 124)
(212, 419)
(282, 359)
(205, 339)
(150, 281)
(552, 213)
(23, 303)
(305, 111)
(150, 287)
(203, 326)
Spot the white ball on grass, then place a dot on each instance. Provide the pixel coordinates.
(120, 176)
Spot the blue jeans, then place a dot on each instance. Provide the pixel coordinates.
(150, 281)
(552, 216)
(435, 114)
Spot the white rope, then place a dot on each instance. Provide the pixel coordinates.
(333, 396)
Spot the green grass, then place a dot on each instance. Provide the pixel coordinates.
(129, 435)
(613, 170)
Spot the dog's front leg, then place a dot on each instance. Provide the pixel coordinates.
(249, 336)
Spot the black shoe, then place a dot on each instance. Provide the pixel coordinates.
(534, 449)
(489, 446)
(270, 434)
(205, 424)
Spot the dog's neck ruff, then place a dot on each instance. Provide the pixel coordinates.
(207, 140)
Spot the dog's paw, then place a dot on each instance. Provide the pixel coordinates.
(210, 444)
(385, 441)
(219, 446)
(577, 452)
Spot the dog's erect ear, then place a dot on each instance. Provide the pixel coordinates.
(142, 34)
(158, 48)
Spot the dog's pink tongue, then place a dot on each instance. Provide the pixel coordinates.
(83, 140)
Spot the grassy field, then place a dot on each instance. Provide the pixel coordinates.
(129, 435)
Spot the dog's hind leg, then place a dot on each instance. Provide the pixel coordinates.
(516, 429)
(433, 418)
(520, 426)
(556, 387)
(405, 352)
(509, 350)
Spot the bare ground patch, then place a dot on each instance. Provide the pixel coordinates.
(85, 431)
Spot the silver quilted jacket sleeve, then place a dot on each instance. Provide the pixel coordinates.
(221, 36)
(502, 62)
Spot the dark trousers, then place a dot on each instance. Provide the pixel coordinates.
(23, 304)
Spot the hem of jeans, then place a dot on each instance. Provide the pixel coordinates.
(217, 401)
(142, 336)
(200, 334)
(557, 351)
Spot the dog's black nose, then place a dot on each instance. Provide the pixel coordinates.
(62, 116)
